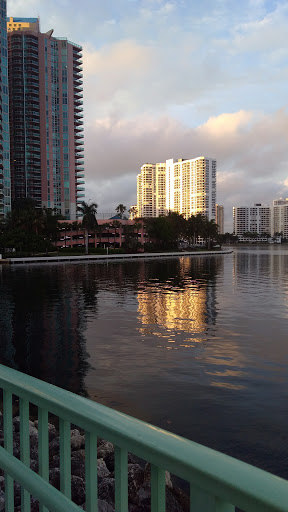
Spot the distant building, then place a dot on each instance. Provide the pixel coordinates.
(219, 218)
(46, 126)
(280, 216)
(185, 186)
(253, 219)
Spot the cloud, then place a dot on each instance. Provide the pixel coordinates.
(250, 149)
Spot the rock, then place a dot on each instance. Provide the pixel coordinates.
(16, 425)
(102, 469)
(103, 506)
(172, 504)
(54, 477)
(135, 480)
(104, 448)
(77, 440)
(144, 498)
(106, 490)
(78, 463)
(143, 503)
(182, 498)
(54, 445)
(33, 431)
(77, 490)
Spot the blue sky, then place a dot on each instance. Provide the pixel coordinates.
(172, 78)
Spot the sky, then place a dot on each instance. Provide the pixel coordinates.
(179, 79)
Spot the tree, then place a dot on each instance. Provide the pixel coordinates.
(89, 221)
(26, 216)
(133, 212)
(210, 231)
(121, 209)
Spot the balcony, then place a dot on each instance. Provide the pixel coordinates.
(217, 482)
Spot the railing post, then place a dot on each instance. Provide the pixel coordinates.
(8, 445)
(65, 457)
(43, 448)
(91, 472)
(24, 448)
(121, 479)
(201, 501)
(158, 497)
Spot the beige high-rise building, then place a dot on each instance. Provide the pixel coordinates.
(219, 218)
(186, 186)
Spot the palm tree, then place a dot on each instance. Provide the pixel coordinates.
(133, 212)
(89, 221)
(121, 209)
(210, 231)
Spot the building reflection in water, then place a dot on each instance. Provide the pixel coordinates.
(180, 300)
(43, 318)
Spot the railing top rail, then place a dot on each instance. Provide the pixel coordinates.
(247, 487)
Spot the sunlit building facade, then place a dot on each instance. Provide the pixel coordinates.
(252, 219)
(46, 125)
(151, 190)
(5, 184)
(186, 186)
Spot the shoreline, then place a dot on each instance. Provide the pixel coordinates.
(106, 257)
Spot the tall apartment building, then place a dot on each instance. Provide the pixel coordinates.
(5, 184)
(219, 218)
(280, 216)
(151, 188)
(46, 125)
(253, 219)
(186, 186)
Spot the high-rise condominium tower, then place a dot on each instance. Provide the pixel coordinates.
(5, 185)
(46, 126)
(186, 186)
(253, 219)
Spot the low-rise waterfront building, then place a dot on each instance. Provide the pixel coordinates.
(108, 233)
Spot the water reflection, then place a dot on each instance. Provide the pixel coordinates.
(181, 301)
(42, 324)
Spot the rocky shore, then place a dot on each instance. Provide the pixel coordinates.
(138, 473)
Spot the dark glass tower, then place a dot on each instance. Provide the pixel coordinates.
(5, 185)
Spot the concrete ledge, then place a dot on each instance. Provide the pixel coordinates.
(106, 257)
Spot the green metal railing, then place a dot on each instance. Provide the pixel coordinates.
(218, 483)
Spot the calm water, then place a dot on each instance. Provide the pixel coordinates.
(198, 346)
